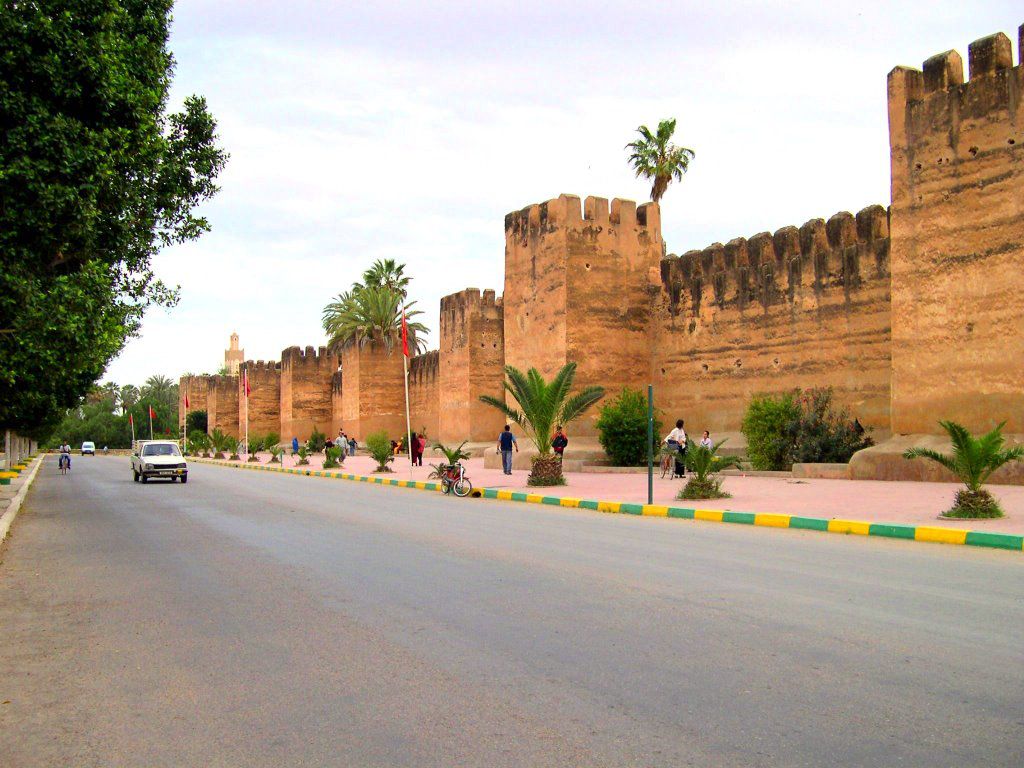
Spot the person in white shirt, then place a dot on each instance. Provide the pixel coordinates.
(677, 440)
(705, 442)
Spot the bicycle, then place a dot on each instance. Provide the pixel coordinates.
(670, 461)
(64, 463)
(453, 479)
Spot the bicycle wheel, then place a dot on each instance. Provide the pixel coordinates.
(462, 487)
(445, 485)
(665, 467)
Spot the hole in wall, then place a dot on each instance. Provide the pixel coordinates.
(705, 367)
(587, 266)
(775, 361)
(662, 371)
(973, 151)
(917, 166)
(970, 327)
(1010, 141)
(738, 363)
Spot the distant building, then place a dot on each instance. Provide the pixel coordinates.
(233, 356)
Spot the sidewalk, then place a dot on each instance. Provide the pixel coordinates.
(875, 501)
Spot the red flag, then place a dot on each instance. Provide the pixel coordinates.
(405, 336)
(151, 414)
(245, 376)
(131, 420)
(186, 401)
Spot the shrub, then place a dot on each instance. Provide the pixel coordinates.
(196, 421)
(973, 461)
(270, 440)
(333, 457)
(622, 427)
(705, 463)
(379, 446)
(198, 442)
(221, 442)
(766, 426)
(303, 455)
(276, 452)
(317, 441)
(800, 427)
(824, 434)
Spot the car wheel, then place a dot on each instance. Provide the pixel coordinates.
(184, 479)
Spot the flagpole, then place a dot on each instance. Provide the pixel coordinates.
(131, 422)
(246, 385)
(405, 378)
(150, 421)
(184, 427)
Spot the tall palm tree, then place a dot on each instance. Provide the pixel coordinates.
(162, 389)
(387, 273)
(655, 157)
(973, 462)
(373, 315)
(543, 406)
(128, 396)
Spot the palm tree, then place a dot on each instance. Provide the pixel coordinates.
(161, 389)
(973, 462)
(655, 157)
(542, 407)
(372, 315)
(704, 463)
(129, 396)
(387, 273)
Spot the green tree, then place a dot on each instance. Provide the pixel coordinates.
(387, 273)
(657, 159)
(96, 175)
(373, 315)
(543, 406)
(379, 446)
(622, 429)
(196, 421)
(973, 462)
(766, 425)
(161, 388)
(704, 464)
(128, 396)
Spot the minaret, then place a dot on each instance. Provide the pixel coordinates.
(233, 356)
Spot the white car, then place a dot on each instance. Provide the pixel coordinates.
(158, 458)
(88, 447)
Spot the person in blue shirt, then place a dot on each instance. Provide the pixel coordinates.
(295, 446)
(506, 442)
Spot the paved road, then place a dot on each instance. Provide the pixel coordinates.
(263, 620)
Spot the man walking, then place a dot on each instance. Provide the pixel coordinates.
(506, 442)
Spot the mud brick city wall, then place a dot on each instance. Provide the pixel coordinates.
(306, 391)
(577, 288)
(957, 161)
(337, 414)
(264, 404)
(373, 396)
(222, 404)
(196, 388)
(798, 308)
(423, 396)
(472, 358)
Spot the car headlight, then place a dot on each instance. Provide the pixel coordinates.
(147, 466)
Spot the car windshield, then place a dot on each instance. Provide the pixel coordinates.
(161, 449)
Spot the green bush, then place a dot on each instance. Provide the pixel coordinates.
(333, 457)
(799, 427)
(379, 446)
(303, 455)
(317, 441)
(622, 427)
(196, 420)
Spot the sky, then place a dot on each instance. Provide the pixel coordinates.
(407, 130)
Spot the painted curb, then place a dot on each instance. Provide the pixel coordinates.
(12, 511)
(926, 533)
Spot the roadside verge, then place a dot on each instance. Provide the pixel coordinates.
(924, 533)
(8, 515)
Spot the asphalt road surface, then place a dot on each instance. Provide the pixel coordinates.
(254, 619)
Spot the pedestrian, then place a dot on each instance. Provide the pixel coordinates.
(394, 447)
(341, 441)
(559, 441)
(506, 442)
(352, 445)
(705, 442)
(676, 441)
(295, 446)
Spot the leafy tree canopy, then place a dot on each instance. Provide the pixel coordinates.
(96, 175)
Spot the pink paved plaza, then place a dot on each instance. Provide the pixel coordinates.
(910, 503)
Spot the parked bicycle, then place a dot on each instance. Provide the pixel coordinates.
(453, 479)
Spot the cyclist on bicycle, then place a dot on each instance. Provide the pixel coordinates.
(676, 442)
(65, 455)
